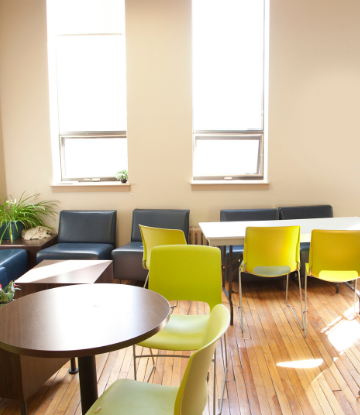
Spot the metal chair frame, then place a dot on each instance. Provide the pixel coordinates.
(224, 360)
(241, 315)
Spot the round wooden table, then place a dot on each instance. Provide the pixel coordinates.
(82, 321)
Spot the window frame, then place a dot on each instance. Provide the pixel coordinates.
(234, 135)
(86, 135)
(57, 134)
(261, 174)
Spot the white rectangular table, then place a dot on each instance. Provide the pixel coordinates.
(224, 234)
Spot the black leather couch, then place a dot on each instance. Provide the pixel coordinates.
(128, 258)
(83, 234)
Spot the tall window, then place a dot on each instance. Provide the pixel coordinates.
(88, 87)
(229, 49)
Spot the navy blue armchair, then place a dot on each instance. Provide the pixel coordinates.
(242, 215)
(128, 258)
(305, 212)
(13, 264)
(83, 234)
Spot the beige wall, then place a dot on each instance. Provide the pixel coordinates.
(2, 165)
(313, 105)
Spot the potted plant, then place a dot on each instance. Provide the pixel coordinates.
(8, 293)
(23, 214)
(122, 175)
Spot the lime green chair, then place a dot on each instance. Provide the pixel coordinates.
(130, 397)
(333, 257)
(152, 237)
(271, 252)
(185, 273)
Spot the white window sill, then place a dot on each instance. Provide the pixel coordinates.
(230, 185)
(66, 187)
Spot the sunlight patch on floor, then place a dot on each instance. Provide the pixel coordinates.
(344, 334)
(302, 364)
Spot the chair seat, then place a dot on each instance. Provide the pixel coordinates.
(75, 251)
(130, 397)
(128, 262)
(334, 276)
(272, 271)
(182, 332)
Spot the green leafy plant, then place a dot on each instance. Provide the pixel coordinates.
(8, 293)
(122, 175)
(25, 211)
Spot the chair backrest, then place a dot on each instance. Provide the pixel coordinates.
(186, 272)
(272, 246)
(334, 251)
(152, 237)
(193, 391)
(159, 218)
(306, 212)
(88, 226)
(240, 215)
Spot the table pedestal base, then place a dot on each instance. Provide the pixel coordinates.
(88, 382)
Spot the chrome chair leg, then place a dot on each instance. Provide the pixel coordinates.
(214, 394)
(240, 305)
(146, 280)
(189, 308)
(225, 371)
(153, 366)
(138, 356)
(305, 316)
(286, 301)
(355, 295)
(134, 358)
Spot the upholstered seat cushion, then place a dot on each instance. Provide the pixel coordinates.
(15, 263)
(128, 262)
(67, 250)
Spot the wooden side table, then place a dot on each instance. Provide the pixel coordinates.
(32, 247)
(95, 319)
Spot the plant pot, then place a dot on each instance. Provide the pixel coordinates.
(123, 180)
(16, 233)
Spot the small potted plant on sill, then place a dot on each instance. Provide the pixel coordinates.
(122, 175)
(8, 293)
(23, 214)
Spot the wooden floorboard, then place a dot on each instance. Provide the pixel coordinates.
(272, 368)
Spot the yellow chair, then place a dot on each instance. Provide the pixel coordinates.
(152, 237)
(334, 257)
(271, 252)
(185, 273)
(156, 237)
(129, 397)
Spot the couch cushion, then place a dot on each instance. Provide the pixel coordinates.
(128, 262)
(14, 261)
(306, 212)
(87, 226)
(232, 215)
(159, 218)
(75, 251)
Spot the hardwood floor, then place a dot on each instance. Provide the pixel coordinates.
(273, 369)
